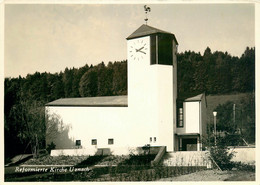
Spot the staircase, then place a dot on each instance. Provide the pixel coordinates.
(187, 158)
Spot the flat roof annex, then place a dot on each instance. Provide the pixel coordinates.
(102, 101)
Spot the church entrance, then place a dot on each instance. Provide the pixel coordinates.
(189, 144)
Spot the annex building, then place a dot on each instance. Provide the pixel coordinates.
(147, 115)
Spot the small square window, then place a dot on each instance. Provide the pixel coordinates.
(110, 141)
(78, 142)
(94, 142)
(154, 139)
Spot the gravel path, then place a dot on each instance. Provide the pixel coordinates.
(210, 175)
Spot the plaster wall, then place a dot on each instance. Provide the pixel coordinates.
(192, 118)
(150, 112)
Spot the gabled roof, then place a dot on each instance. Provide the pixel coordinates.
(145, 30)
(103, 101)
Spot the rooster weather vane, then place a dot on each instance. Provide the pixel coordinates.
(146, 9)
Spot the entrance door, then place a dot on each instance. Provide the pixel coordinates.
(189, 144)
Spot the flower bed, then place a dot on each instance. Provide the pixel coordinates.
(59, 160)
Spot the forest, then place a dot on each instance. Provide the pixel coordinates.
(213, 73)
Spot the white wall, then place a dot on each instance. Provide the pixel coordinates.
(151, 96)
(150, 112)
(244, 154)
(101, 123)
(165, 106)
(191, 111)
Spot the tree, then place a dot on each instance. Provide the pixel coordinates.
(247, 118)
(104, 80)
(244, 72)
(29, 116)
(119, 86)
(67, 79)
(225, 117)
(89, 83)
(57, 132)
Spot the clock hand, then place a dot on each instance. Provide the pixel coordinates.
(139, 49)
(142, 52)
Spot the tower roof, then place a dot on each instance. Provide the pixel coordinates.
(145, 30)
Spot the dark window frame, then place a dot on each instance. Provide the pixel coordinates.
(180, 114)
(153, 49)
(161, 49)
(78, 142)
(93, 141)
(109, 141)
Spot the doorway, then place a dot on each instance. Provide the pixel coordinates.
(189, 144)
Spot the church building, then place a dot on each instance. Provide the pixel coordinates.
(147, 115)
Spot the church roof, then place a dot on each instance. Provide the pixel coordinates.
(195, 98)
(145, 30)
(102, 101)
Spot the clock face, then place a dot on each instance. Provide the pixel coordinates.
(138, 49)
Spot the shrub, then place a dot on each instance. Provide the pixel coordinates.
(144, 160)
(222, 157)
(50, 147)
(91, 160)
(146, 149)
(244, 167)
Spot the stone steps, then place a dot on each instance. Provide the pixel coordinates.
(187, 158)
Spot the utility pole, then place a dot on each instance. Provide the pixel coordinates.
(234, 115)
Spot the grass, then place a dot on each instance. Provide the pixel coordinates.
(214, 100)
(241, 176)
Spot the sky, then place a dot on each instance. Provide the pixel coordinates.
(52, 37)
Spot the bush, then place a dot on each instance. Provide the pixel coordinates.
(222, 157)
(139, 160)
(91, 160)
(244, 167)
(50, 147)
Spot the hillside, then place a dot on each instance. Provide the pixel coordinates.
(242, 122)
(214, 100)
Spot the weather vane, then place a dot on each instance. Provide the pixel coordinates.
(146, 9)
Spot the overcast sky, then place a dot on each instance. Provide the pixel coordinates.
(53, 37)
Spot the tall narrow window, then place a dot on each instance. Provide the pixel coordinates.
(180, 121)
(94, 142)
(151, 139)
(165, 49)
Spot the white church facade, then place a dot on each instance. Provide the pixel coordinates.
(147, 115)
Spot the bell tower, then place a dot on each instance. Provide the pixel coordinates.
(152, 82)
